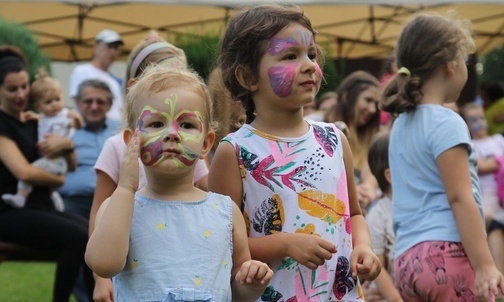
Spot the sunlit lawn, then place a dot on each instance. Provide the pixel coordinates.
(27, 281)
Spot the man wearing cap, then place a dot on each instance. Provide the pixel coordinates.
(105, 52)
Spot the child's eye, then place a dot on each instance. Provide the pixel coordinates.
(156, 125)
(186, 126)
(290, 57)
(312, 57)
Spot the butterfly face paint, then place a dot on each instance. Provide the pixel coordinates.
(169, 134)
(281, 77)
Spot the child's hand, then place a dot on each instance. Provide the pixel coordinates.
(364, 263)
(77, 120)
(488, 283)
(30, 115)
(129, 172)
(254, 273)
(310, 250)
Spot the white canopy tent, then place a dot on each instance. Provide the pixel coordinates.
(352, 29)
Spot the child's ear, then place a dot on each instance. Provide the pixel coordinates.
(127, 135)
(130, 82)
(388, 177)
(246, 79)
(207, 144)
(450, 68)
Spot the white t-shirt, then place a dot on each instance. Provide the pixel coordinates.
(58, 125)
(112, 155)
(89, 71)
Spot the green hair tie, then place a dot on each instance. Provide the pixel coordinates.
(404, 70)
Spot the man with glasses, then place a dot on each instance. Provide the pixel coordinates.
(93, 100)
(105, 51)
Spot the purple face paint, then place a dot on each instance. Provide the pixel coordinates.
(306, 37)
(278, 45)
(282, 78)
(151, 153)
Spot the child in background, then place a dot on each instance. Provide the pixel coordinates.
(440, 251)
(171, 241)
(379, 218)
(488, 149)
(292, 178)
(54, 119)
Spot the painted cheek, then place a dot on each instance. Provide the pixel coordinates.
(152, 152)
(278, 45)
(188, 158)
(318, 71)
(282, 78)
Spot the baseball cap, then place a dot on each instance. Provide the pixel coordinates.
(108, 36)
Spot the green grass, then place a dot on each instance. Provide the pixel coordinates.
(27, 281)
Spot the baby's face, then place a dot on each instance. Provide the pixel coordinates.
(51, 104)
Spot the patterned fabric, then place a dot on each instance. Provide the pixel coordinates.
(179, 251)
(435, 271)
(298, 185)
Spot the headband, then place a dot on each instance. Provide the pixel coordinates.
(144, 53)
(404, 70)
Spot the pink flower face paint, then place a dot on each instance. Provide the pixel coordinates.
(187, 125)
(282, 79)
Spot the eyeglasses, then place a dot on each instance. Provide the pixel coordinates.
(99, 102)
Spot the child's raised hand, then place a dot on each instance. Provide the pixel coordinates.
(129, 172)
(488, 283)
(309, 250)
(254, 273)
(364, 263)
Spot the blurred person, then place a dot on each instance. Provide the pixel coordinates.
(54, 119)
(37, 225)
(490, 152)
(322, 105)
(379, 219)
(105, 52)
(357, 107)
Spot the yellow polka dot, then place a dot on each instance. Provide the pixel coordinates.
(207, 234)
(197, 280)
(134, 264)
(161, 226)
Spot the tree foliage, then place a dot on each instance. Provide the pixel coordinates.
(20, 36)
(491, 66)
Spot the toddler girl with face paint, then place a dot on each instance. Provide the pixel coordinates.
(490, 152)
(171, 241)
(291, 177)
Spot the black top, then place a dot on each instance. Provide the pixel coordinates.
(25, 135)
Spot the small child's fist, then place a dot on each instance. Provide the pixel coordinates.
(254, 272)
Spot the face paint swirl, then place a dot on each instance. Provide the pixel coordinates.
(169, 134)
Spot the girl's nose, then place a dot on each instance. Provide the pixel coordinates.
(171, 134)
(308, 64)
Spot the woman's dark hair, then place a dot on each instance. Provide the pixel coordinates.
(426, 42)
(12, 59)
(244, 44)
(345, 111)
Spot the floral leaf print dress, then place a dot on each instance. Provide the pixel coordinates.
(298, 185)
